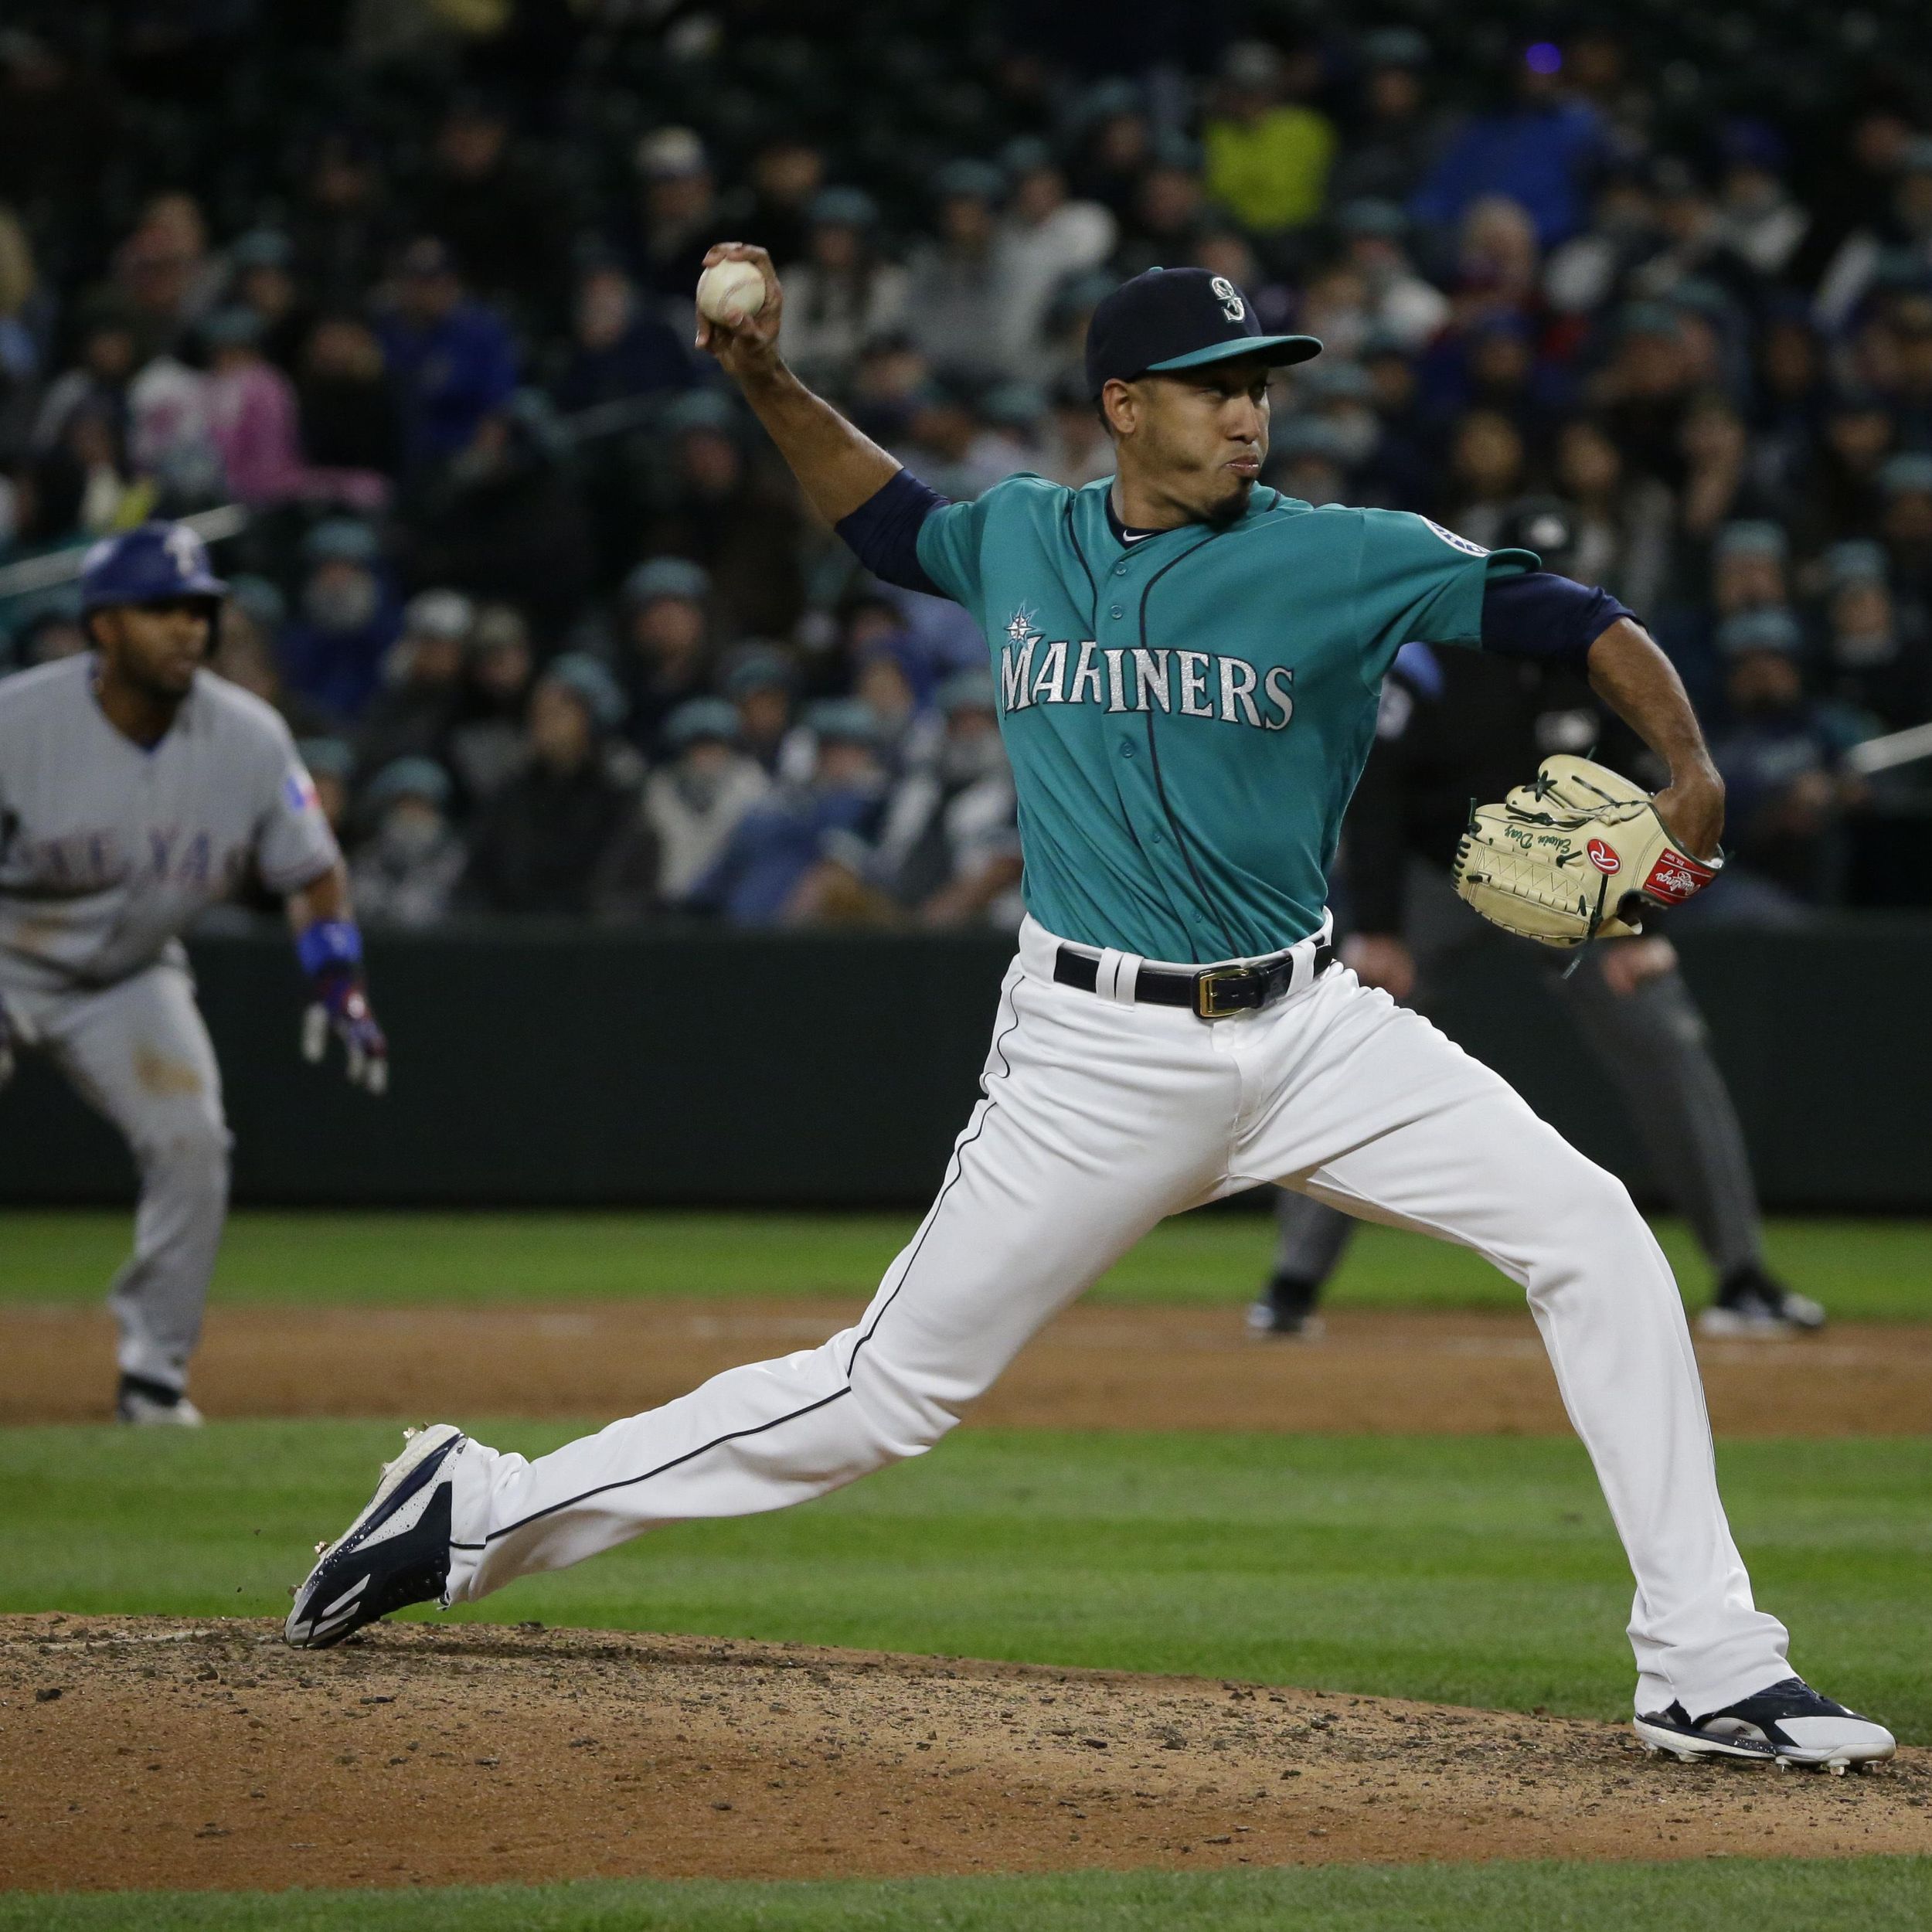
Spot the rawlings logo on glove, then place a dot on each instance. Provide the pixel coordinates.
(1554, 861)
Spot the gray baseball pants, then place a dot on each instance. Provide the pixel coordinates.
(138, 1053)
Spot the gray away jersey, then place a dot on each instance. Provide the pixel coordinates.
(107, 851)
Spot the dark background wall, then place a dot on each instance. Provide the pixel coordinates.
(575, 1068)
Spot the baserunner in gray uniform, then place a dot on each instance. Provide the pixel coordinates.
(135, 789)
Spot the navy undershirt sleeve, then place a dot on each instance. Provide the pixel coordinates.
(1539, 614)
(883, 531)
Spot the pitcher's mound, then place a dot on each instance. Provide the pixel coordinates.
(139, 1751)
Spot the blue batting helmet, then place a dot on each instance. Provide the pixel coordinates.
(152, 564)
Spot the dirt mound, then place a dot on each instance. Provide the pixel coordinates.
(1095, 1368)
(143, 1752)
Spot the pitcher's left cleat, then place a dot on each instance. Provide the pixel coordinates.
(1787, 1723)
(396, 1553)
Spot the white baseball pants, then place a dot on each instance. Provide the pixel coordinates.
(1098, 1117)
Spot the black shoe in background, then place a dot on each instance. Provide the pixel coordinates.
(1752, 1304)
(1288, 1307)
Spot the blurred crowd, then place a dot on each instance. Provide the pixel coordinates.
(409, 281)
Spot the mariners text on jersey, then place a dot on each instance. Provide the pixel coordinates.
(1196, 684)
(1186, 716)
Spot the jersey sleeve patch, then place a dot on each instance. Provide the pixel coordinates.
(293, 844)
(1454, 542)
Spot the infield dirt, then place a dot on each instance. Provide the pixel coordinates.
(141, 1753)
(1096, 1367)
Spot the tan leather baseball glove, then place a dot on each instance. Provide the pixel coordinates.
(1578, 855)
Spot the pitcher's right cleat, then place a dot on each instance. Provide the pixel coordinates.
(1788, 1723)
(396, 1553)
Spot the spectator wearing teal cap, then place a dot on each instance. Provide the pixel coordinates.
(247, 653)
(761, 682)
(665, 658)
(1047, 235)
(261, 266)
(565, 838)
(696, 800)
(717, 497)
(949, 848)
(806, 856)
(1870, 665)
(1787, 793)
(843, 294)
(348, 618)
(484, 747)
(405, 869)
(1749, 569)
(966, 285)
(421, 695)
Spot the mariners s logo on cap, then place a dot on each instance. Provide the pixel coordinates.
(1177, 319)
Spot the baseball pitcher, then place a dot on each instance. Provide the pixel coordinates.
(135, 789)
(1187, 666)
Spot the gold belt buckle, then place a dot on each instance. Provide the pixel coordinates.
(1204, 1006)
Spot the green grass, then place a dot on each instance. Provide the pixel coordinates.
(1478, 1571)
(1862, 1270)
(1789, 1895)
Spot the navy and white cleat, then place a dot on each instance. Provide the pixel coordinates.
(396, 1553)
(1787, 1723)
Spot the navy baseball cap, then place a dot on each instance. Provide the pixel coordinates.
(154, 563)
(1177, 319)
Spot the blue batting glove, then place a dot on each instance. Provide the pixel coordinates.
(330, 953)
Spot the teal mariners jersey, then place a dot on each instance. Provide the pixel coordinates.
(1187, 713)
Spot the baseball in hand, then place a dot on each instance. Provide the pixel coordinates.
(729, 287)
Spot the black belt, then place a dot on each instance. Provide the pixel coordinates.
(1212, 993)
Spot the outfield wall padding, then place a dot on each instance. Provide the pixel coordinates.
(663, 1066)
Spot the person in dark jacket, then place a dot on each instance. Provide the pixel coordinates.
(665, 657)
(565, 838)
(620, 349)
(411, 716)
(347, 411)
(497, 211)
(720, 505)
(502, 522)
(1788, 792)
